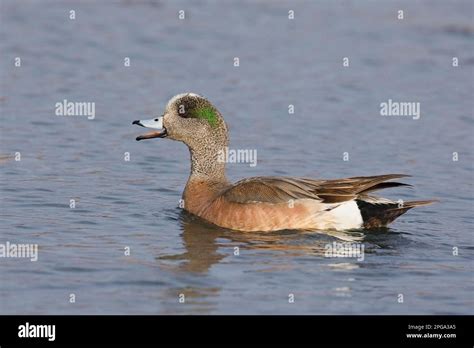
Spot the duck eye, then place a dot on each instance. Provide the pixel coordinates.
(156, 120)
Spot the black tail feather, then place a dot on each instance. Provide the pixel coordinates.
(381, 214)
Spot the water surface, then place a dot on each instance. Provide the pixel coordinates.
(134, 203)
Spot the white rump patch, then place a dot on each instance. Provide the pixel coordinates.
(346, 216)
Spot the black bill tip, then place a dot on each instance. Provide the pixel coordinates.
(137, 122)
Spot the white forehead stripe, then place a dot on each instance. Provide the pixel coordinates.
(178, 96)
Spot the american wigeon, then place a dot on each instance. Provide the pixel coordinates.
(265, 203)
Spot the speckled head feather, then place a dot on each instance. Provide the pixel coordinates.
(191, 105)
(195, 121)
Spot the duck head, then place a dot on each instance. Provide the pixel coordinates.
(193, 120)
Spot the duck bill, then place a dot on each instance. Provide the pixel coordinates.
(154, 123)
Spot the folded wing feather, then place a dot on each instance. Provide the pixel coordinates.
(282, 189)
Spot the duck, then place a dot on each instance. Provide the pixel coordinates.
(266, 203)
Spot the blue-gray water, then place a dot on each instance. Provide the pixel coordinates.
(135, 203)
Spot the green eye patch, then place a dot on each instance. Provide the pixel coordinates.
(205, 113)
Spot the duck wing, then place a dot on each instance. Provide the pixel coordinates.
(271, 189)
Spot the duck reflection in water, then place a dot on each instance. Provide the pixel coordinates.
(207, 245)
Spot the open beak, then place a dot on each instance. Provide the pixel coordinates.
(154, 123)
